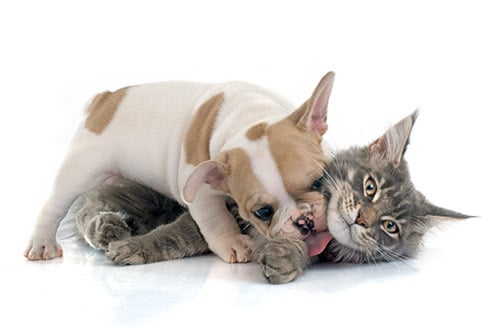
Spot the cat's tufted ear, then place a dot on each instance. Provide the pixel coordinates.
(438, 213)
(212, 172)
(392, 145)
(312, 115)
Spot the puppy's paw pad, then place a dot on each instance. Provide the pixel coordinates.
(43, 251)
(235, 248)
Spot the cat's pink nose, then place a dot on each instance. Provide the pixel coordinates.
(360, 220)
(366, 216)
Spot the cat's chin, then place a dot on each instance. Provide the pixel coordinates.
(341, 231)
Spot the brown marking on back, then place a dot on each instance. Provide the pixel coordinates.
(199, 132)
(256, 132)
(102, 109)
(298, 155)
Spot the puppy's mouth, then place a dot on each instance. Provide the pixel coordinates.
(308, 222)
(316, 240)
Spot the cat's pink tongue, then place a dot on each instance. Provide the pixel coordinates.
(317, 242)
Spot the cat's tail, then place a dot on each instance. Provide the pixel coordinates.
(145, 208)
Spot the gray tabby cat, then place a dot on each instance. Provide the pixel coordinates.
(374, 214)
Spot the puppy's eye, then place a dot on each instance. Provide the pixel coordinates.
(390, 227)
(316, 186)
(370, 187)
(265, 213)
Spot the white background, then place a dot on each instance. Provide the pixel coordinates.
(390, 57)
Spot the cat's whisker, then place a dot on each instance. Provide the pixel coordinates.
(328, 177)
(332, 182)
(320, 165)
(371, 259)
(395, 258)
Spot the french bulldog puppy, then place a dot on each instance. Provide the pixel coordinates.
(198, 143)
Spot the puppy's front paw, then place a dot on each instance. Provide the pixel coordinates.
(234, 248)
(126, 252)
(43, 250)
(282, 260)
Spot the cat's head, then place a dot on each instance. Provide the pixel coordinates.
(375, 213)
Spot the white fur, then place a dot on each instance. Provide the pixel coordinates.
(144, 142)
(267, 172)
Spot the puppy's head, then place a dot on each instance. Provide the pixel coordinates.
(273, 164)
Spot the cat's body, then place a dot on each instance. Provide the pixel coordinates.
(134, 224)
(374, 214)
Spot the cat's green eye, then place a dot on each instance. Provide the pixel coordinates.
(390, 226)
(370, 187)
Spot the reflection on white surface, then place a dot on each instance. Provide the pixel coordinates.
(450, 282)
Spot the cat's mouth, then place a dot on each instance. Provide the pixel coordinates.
(344, 230)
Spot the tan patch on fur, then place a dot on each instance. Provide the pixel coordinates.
(102, 109)
(312, 198)
(317, 204)
(298, 154)
(300, 115)
(199, 132)
(246, 189)
(256, 132)
(250, 195)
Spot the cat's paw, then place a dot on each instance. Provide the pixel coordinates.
(282, 260)
(106, 228)
(233, 248)
(43, 249)
(126, 252)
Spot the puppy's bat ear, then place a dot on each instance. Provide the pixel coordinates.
(312, 115)
(212, 172)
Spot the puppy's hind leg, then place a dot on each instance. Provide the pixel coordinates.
(80, 172)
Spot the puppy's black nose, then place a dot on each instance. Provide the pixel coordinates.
(304, 224)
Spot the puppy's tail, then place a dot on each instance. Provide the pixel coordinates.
(145, 208)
